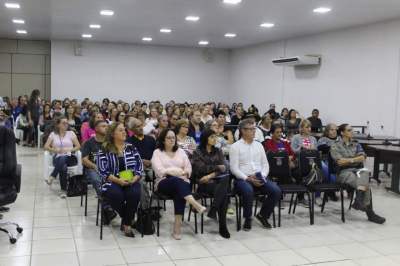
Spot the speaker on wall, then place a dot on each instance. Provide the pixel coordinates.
(78, 48)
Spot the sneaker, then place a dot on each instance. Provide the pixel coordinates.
(263, 221)
(49, 180)
(247, 224)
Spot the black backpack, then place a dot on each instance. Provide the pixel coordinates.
(144, 223)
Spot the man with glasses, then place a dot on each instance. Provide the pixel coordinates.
(249, 165)
(349, 157)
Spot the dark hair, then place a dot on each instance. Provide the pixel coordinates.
(290, 113)
(220, 112)
(204, 138)
(161, 140)
(118, 114)
(315, 110)
(57, 121)
(274, 127)
(284, 109)
(92, 119)
(342, 128)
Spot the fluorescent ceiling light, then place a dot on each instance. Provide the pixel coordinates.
(87, 36)
(147, 39)
(203, 42)
(12, 5)
(230, 35)
(106, 12)
(267, 25)
(18, 21)
(322, 10)
(192, 18)
(22, 32)
(165, 30)
(95, 26)
(232, 2)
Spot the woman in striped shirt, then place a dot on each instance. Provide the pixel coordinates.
(118, 159)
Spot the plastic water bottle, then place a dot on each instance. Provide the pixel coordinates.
(367, 130)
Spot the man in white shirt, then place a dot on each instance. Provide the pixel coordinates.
(249, 165)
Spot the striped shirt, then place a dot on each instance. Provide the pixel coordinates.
(107, 164)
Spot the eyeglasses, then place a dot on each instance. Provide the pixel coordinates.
(349, 130)
(170, 138)
(249, 128)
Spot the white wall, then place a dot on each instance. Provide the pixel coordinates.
(358, 79)
(133, 72)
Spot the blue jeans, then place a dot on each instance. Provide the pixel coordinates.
(176, 188)
(331, 178)
(124, 200)
(95, 179)
(61, 169)
(246, 190)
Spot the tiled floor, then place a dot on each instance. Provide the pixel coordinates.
(57, 233)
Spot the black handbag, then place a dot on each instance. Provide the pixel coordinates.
(72, 160)
(144, 223)
(77, 186)
(315, 176)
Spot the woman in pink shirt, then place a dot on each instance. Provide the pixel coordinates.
(87, 128)
(173, 169)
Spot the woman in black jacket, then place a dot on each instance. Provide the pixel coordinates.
(209, 171)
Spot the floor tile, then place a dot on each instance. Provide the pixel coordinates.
(263, 244)
(59, 259)
(47, 246)
(226, 247)
(282, 258)
(16, 261)
(319, 254)
(145, 254)
(101, 257)
(189, 251)
(240, 260)
(354, 250)
(198, 262)
(52, 233)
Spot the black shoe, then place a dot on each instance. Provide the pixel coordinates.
(247, 224)
(359, 201)
(263, 221)
(332, 196)
(212, 213)
(109, 215)
(4, 209)
(375, 218)
(223, 231)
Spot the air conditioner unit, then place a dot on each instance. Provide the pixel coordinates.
(305, 60)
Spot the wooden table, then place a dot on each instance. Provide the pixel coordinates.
(387, 154)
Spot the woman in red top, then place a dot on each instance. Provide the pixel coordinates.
(276, 143)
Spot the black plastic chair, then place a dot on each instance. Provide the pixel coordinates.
(10, 177)
(280, 172)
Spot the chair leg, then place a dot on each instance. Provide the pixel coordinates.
(81, 200)
(312, 206)
(279, 212)
(295, 203)
(291, 203)
(195, 223)
(237, 207)
(13, 240)
(202, 223)
(342, 205)
(256, 206)
(158, 218)
(351, 199)
(273, 218)
(190, 212)
(165, 206)
(324, 198)
(101, 222)
(311, 211)
(97, 215)
(86, 196)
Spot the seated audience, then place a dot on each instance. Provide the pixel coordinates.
(173, 120)
(272, 113)
(87, 128)
(224, 139)
(284, 117)
(350, 157)
(277, 143)
(265, 125)
(121, 159)
(153, 118)
(316, 123)
(196, 126)
(205, 114)
(162, 124)
(208, 165)
(249, 164)
(185, 142)
(121, 117)
(173, 170)
(26, 127)
(112, 115)
(143, 143)
(62, 143)
(238, 116)
(90, 150)
(258, 136)
(292, 123)
(304, 140)
(228, 119)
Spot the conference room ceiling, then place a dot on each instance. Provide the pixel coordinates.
(135, 19)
